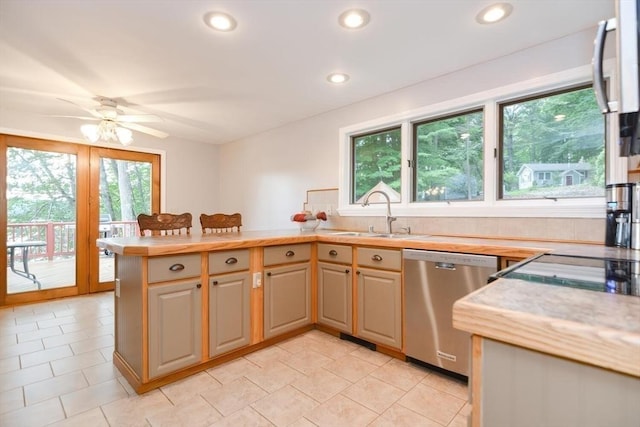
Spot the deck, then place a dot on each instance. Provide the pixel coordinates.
(57, 273)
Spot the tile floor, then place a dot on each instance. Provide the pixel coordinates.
(56, 369)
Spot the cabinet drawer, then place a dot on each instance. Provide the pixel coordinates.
(334, 253)
(380, 258)
(174, 267)
(228, 261)
(285, 254)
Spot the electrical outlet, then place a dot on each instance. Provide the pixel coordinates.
(257, 280)
(118, 288)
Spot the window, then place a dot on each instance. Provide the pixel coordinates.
(448, 155)
(535, 148)
(552, 146)
(376, 163)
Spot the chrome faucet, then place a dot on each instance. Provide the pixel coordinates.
(389, 218)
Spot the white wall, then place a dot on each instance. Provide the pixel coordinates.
(265, 177)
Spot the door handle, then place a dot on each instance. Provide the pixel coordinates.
(598, 74)
(231, 261)
(177, 267)
(445, 266)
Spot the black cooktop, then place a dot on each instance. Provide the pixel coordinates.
(611, 275)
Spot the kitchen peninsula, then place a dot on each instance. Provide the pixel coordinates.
(272, 288)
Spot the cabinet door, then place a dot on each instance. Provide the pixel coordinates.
(175, 322)
(229, 312)
(287, 299)
(334, 296)
(380, 307)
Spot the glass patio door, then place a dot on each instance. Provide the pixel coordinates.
(43, 219)
(127, 183)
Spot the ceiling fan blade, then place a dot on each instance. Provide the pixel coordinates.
(144, 129)
(74, 117)
(139, 118)
(94, 113)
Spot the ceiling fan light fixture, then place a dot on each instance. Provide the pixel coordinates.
(494, 13)
(220, 21)
(107, 131)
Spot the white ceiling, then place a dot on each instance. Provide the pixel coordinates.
(158, 57)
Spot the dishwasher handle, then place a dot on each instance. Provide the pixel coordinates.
(446, 266)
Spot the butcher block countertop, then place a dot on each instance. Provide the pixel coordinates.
(592, 327)
(597, 328)
(165, 245)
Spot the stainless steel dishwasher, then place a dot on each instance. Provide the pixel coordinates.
(433, 281)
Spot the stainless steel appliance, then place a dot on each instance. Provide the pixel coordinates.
(610, 275)
(619, 214)
(433, 281)
(627, 92)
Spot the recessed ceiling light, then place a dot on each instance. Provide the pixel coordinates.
(354, 18)
(337, 78)
(494, 13)
(220, 21)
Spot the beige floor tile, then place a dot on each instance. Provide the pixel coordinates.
(43, 356)
(81, 326)
(302, 422)
(57, 321)
(374, 394)
(29, 318)
(441, 382)
(92, 396)
(246, 417)
(431, 403)
(331, 347)
(10, 339)
(94, 343)
(17, 329)
(268, 355)
(75, 363)
(295, 344)
(107, 353)
(306, 361)
(91, 418)
(9, 364)
(20, 348)
(99, 331)
(351, 368)
(234, 396)
(54, 387)
(11, 400)
(273, 376)
(400, 374)
(370, 356)
(134, 411)
(284, 406)
(36, 415)
(340, 411)
(399, 416)
(65, 339)
(101, 373)
(25, 376)
(194, 413)
(39, 334)
(189, 388)
(321, 384)
(231, 371)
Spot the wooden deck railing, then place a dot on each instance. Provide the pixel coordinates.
(61, 236)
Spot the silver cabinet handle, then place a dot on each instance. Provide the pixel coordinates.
(231, 261)
(177, 267)
(445, 266)
(376, 257)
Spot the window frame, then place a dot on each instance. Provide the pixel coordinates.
(491, 206)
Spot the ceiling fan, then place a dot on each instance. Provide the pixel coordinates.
(113, 124)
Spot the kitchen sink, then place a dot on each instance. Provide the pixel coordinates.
(377, 235)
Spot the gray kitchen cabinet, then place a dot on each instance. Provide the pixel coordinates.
(175, 326)
(335, 278)
(379, 291)
(229, 301)
(522, 387)
(287, 288)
